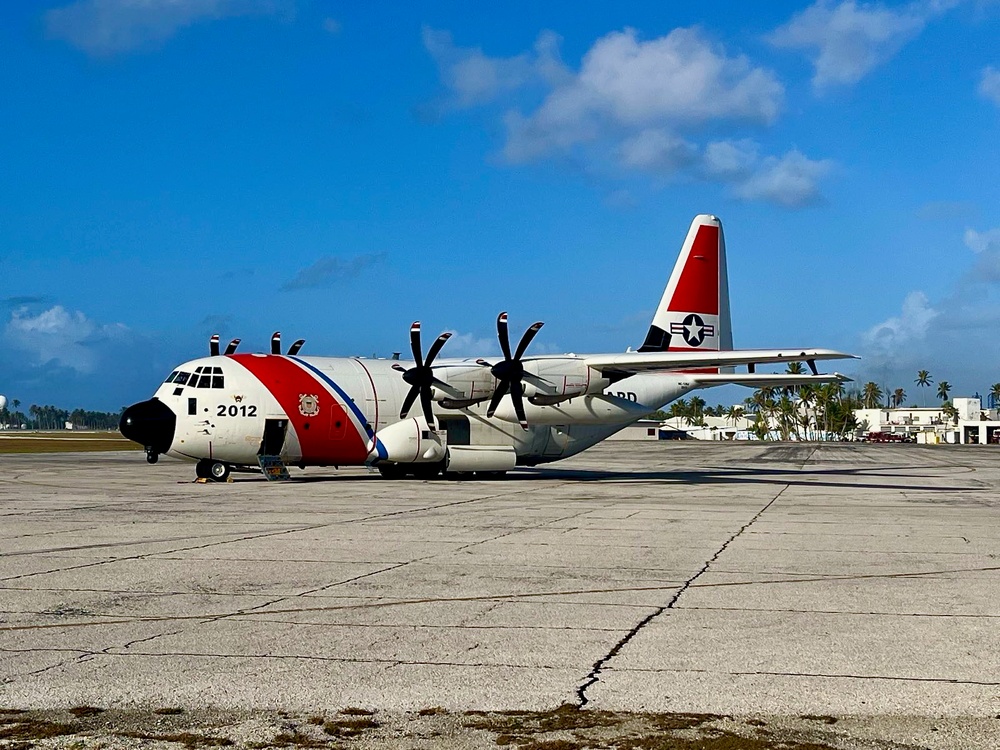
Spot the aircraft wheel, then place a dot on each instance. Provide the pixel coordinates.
(152, 457)
(426, 471)
(391, 471)
(201, 468)
(218, 471)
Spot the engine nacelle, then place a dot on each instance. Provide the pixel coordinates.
(463, 384)
(408, 442)
(550, 380)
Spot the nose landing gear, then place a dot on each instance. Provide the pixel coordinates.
(208, 468)
(152, 456)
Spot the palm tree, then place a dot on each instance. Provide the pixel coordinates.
(923, 380)
(943, 387)
(994, 394)
(871, 395)
(950, 411)
(734, 414)
(898, 397)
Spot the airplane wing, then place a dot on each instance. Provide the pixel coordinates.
(630, 363)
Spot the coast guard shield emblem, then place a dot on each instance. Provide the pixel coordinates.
(308, 405)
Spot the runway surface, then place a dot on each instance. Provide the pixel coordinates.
(843, 579)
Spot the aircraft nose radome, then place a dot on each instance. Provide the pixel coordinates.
(150, 423)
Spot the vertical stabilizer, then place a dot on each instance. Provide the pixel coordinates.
(693, 314)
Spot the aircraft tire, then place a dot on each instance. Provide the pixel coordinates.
(426, 471)
(201, 468)
(218, 471)
(391, 471)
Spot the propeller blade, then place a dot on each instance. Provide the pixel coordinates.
(425, 405)
(231, 349)
(398, 368)
(415, 343)
(411, 396)
(436, 347)
(296, 347)
(276, 342)
(516, 393)
(526, 338)
(213, 345)
(502, 335)
(498, 394)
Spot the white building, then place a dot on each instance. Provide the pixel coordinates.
(972, 425)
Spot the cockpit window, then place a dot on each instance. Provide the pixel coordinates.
(170, 377)
(207, 377)
(181, 378)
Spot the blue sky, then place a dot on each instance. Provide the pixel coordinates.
(174, 168)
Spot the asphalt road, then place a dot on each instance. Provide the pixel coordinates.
(853, 580)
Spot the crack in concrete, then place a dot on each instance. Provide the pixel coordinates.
(594, 675)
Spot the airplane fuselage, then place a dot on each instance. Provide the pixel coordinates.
(338, 411)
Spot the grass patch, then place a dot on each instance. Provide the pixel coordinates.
(35, 729)
(66, 442)
(565, 718)
(353, 711)
(352, 727)
(294, 739)
(188, 739)
(82, 712)
(432, 711)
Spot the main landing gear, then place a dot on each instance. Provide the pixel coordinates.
(208, 468)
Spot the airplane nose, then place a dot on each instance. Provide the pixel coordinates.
(150, 424)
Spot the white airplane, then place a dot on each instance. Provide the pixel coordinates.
(267, 411)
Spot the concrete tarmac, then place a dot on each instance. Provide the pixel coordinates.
(780, 579)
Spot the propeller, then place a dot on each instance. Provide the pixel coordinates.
(420, 377)
(295, 347)
(231, 349)
(213, 345)
(510, 373)
(276, 342)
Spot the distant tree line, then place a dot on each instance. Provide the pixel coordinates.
(810, 412)
(54, 418)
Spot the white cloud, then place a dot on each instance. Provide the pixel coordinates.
(107, 27)
(989, 84)
(791, 180)
(473, 78)
(626, 85)
(59, 336)
(330, 269)
(636, 106)
(982, 242)
(848, 40)
(657, 150)
(986, 245)
(731, 159)
(901, 331)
